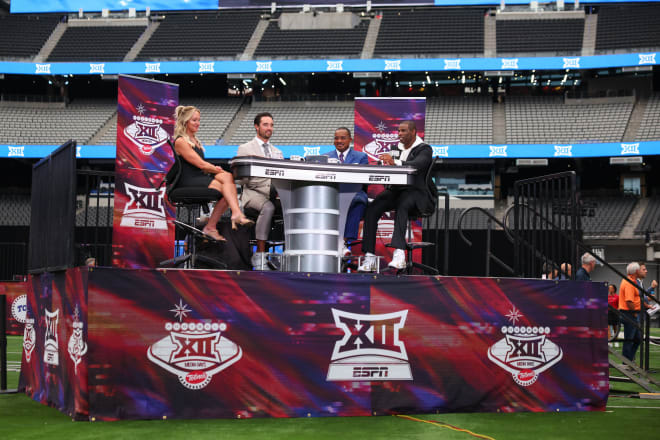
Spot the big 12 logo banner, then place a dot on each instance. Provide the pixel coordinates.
(371, 348)
(145, 208)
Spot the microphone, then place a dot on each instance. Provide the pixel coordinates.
(394, 152)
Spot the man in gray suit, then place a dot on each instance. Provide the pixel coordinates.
(257, 190)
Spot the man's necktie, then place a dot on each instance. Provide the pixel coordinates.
(341, 157)
(267, 149)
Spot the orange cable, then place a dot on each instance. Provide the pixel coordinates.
(445, 425)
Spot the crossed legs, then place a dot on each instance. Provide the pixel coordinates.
(224, 183)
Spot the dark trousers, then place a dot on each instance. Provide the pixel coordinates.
(632, 335)
(403, 202)
(355, 214)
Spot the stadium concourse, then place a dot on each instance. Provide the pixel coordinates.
(511, 93)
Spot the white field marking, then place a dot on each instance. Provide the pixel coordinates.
(634, 407)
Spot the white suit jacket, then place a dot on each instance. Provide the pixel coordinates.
(256, 190)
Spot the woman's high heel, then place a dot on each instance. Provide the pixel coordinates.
(215, 235)
(240, 221)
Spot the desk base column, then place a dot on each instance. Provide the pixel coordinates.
(311, 225)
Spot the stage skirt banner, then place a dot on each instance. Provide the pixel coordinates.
(111, 344)
(16, 294)
(142, 230)
(377, 132)
(53, 365)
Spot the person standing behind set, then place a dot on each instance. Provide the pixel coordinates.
(195, 171)
(345, 154)
(630, 306)
(588, 264)
(257, 191)
(420, 196)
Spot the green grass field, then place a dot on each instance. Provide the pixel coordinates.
(625, 418)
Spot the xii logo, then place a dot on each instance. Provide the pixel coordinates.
(51, 345)
(370, 349)
(145, 209)
(525, 352)
(194, 351)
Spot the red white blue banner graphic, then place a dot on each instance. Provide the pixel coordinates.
(16, 294)
(221, 344)
(142, 235)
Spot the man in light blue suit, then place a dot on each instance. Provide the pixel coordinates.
(345, 154)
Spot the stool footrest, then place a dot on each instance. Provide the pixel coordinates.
(419, 244)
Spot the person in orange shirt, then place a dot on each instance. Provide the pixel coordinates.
(629, 305)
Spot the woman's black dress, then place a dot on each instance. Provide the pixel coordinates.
(191, 175)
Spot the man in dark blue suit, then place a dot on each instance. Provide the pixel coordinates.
(345, 154)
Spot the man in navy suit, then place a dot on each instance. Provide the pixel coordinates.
(345, 154)
(421, 196)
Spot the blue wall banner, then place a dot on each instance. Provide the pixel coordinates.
(463, 151)
(26, 6)
(523, 2)
(23, 6)
(335, 65)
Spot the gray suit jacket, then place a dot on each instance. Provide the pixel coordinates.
(256, 190)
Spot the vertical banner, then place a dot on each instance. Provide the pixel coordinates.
(142, 236)
(54, 359)
(377, 132)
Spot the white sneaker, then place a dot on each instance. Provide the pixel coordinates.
(345, 251)
(369, 263)
(398, 259)
(259, 261)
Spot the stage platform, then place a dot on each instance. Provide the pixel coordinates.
(110, 344)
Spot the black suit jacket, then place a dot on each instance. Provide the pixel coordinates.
(425, 193)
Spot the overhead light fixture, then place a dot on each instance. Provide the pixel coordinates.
(282, 81)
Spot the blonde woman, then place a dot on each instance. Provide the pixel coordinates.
(198, 172)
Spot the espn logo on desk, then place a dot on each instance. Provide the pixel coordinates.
(379, 179)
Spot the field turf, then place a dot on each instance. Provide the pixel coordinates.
(625, 418)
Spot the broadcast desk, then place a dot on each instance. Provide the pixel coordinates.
(315, 200)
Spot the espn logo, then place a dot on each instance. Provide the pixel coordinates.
(274, 172)
(370, 371)
(379, 178)
(321, 176)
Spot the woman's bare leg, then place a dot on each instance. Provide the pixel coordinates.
(219, 208)
(224, 182)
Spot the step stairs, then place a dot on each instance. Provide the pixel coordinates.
(632, 372)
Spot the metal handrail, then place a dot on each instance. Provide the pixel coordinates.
(644, 294)
(489, 254)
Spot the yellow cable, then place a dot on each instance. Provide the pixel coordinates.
(445, 425)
